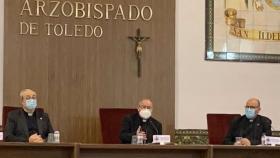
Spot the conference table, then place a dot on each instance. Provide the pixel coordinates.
(79, 150)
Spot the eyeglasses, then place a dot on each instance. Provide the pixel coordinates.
(145, 107)
(251, 107)
(30, 97)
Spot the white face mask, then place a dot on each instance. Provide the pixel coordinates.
(145, 113)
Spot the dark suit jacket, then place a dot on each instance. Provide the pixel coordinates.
(250, 129)
(131, 123)
(16, 129)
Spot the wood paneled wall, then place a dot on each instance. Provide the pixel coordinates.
(76, 76)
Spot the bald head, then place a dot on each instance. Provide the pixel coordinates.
(145, 104)
(254, 103)
(27, 94)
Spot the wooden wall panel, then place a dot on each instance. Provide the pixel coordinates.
(74, 77)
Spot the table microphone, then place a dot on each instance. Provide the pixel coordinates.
(154, 126)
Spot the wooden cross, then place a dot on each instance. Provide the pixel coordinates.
(138, 49)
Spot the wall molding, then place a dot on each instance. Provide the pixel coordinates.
(198, 136)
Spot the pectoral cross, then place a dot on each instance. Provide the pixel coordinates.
(138, 49)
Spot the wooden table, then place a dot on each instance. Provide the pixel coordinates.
(245, 152)
(143, 151)
(26, 150)
(77, 150)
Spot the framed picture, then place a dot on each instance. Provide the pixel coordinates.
(243, 30)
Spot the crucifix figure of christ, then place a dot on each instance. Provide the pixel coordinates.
(138, 49)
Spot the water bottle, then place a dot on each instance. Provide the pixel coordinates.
(263, 139)
(50, 138)
(140, 139)
(56, 137)
(134, 139)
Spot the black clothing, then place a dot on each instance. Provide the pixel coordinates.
(132, 122)
(18, 126)
(250, 129)
(31, 123)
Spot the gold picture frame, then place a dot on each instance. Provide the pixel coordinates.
(243, 30)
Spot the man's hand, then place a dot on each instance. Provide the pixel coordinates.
(243, 142)
(35, 138)
(141, 133)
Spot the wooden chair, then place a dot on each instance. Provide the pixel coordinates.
(111, 119)
(218, 125)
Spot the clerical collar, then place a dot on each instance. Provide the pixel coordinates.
(28, 113)
(252, 120)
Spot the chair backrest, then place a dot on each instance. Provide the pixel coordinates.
(218, 125)
(6, 110)
(111, 119)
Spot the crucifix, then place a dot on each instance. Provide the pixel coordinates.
(138, 49)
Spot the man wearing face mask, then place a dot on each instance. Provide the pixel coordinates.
(248, 129)
(140, 123)
(27, 124)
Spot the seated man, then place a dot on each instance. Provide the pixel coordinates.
(140, 123)
(27, 124)
(248, 129)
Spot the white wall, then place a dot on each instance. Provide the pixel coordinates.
(216, 87)
(1, 54)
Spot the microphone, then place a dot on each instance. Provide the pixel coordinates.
(144, 126)
(154, 126)
(144, 129)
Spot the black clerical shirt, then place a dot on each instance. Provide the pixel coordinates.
(132, 122)
(31, 122)
(250, 129)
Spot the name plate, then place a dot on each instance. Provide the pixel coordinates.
(1, 136)
(272, 140)
(161, 139)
